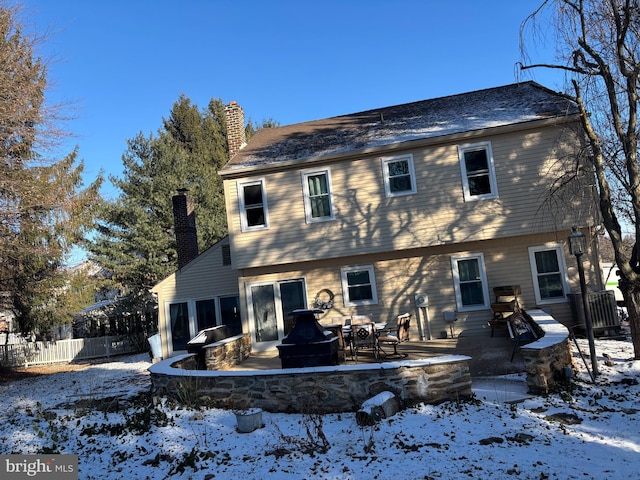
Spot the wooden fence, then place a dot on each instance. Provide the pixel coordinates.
(39, 353)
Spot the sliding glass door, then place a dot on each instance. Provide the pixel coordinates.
(265, 318)
(269, 305)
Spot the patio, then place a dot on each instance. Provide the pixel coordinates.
(490, 356)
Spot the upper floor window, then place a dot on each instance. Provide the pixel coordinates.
(253, 205)
(470, 282)
(478, 174)
(399, 176)
(318, 203)
(359, 286)
(549, 273)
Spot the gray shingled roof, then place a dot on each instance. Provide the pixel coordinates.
(494, 107)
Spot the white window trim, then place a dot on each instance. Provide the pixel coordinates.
(277, 298)
(243, 214)
(385, 175)
(456, 282)
(192, 314)
(307, 195)
(216, 309)
(191, 308)
(563, 273)
(345, 286)
(492, 172)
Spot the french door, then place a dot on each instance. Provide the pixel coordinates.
(269, 306)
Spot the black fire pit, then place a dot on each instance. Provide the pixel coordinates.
(307, 345)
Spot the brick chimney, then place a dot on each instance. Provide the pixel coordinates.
(184, 218)
(236, 138)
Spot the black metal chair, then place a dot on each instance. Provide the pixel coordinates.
(402, 335)
(363, 337)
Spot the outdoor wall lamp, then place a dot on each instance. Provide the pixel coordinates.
(577, 242)
(578, 246)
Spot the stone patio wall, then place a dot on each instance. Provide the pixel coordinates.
(547, 358)
(344, 388)
(227, 353)
(331, 389)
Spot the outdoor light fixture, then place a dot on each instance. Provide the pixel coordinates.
(578, 246)
(577, 242)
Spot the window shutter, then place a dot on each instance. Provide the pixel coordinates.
(226, 255)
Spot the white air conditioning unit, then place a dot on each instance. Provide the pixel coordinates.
(422, 301)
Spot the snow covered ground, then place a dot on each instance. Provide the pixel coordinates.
(104, 414)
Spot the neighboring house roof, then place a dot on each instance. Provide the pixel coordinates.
(96, 307)
(494, 107)
(88, 267)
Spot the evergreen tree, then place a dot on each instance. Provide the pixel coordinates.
(136, 239)
(202, 136)
(43, 210)
(252, 127)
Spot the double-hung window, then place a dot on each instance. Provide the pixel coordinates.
(549, 273)
(478, 173)
(399, 175)
(470, 282)
(359, 286)
(318, 203)
(253, 205)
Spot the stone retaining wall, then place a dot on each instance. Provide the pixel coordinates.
(546, 359)
(332, 389)
(344, 388)
(227, 353)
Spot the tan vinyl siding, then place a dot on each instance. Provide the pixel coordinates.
(428, 271)
(366, 221)
(203, 278)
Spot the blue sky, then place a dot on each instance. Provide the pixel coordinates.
(123, 63)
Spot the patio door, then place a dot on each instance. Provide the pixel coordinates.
(269, 305)
(179, 323)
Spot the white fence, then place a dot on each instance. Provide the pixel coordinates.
(38, 353)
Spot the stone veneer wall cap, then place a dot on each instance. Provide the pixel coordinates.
(165, 367)
(554, 331)
(221, 342)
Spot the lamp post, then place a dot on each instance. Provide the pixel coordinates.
(578, 246)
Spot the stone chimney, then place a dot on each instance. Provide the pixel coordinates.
(236, 137)
(184, 218)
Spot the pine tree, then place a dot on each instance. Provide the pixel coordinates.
(136, 240)
(43, 210)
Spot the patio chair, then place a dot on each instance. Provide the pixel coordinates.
(402, 335)
(336, 327)
(363, 337)
(344, 320)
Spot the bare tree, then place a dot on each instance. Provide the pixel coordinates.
(597, 46)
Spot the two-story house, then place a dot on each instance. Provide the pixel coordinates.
(446, 198)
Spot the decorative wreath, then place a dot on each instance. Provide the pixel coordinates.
(324, 299)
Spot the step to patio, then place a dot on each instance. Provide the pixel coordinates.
(500, 389)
